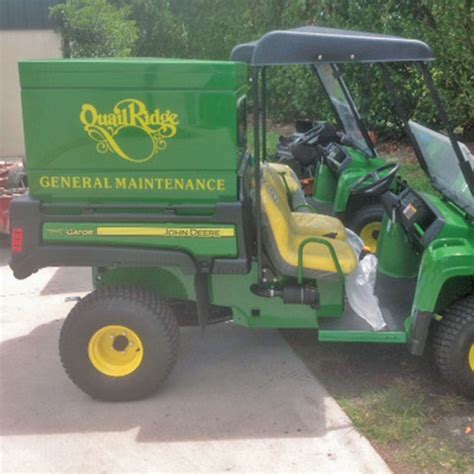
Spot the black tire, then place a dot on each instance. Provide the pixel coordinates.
(453, 340)
(147, 315)
(364, 216)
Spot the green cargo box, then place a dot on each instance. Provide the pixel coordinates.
(133, 130)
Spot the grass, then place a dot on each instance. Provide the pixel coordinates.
(416, 177)
(399, 418)
(386, 415)
(410, 168)
(272, 141)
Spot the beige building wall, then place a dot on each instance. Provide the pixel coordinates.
(17, 45)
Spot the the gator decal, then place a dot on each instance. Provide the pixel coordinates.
(56, 230)
(130, 130)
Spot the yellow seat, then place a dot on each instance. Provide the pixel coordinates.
(319, 224)
(283, 235)
(308, 223)
(296, 197)
(289, 175)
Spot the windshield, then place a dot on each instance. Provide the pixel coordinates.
(443, 165)
(348, 118)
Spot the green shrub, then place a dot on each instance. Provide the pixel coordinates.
(94, 28)
(210, 28)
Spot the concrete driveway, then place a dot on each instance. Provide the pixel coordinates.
(238, 400)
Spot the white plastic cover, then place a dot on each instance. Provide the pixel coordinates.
(360, 286)
(355, 242)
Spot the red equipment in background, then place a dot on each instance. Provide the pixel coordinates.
(12, 183)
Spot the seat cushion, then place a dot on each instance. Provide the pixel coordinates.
(317, 257)
(319, 224)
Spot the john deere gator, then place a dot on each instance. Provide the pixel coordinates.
(139, 169)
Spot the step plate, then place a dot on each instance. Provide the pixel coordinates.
(395, 298)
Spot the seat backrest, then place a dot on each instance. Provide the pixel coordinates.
(296, 197)
(278, 220)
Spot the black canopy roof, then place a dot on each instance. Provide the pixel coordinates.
(312, 44)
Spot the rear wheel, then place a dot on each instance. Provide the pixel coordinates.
(367, 223)
(119, 344)
(453, 344)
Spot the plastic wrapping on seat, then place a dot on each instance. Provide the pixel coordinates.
(360, 286)
(356, 242)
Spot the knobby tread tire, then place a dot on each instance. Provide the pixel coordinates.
(142, 309)
(453, 334)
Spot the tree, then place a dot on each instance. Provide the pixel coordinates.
(94, 28)
(208, 29)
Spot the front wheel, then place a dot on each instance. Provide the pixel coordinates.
(119, 343)
(367, 223)
(453, 345)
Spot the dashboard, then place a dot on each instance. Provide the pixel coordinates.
(421, 221)
(337, 158)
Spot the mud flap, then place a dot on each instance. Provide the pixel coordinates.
(201, 286)
(420, 331)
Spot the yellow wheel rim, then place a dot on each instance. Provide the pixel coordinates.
(115, 351)
(471, 357)
(370, 234)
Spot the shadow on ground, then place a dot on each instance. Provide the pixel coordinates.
(230, 384)
(355, 369)
(65, 279)
(356, 373)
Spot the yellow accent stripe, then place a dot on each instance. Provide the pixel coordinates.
(186, 232)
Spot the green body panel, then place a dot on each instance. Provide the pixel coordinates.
(331, 295)
(450, 256)
(170, 281)
(443, 260)
(132, 130)
(337, 191)
(203, 240)
(359, 167)
(396, 254)
(456, 223)
(325, 185)
(254, 311)
(248, 309)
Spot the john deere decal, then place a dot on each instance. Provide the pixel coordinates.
(117, 132)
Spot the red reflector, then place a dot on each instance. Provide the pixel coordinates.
(17, 240)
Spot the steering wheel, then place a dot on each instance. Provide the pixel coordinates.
(377, 181)
(309, 135)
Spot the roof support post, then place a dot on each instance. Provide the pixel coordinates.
(264, 114)
(258, 198)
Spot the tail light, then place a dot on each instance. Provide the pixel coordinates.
(17, 239)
